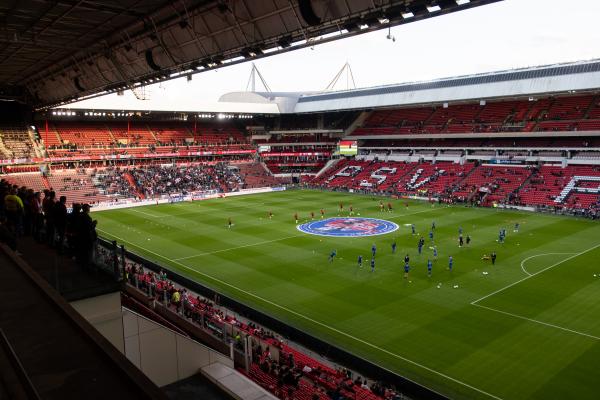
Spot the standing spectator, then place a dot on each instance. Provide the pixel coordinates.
(60, 221)
(37, 217)
(13, 207)
(47, 207)
(86, 237)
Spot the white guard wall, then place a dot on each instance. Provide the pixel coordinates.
(163, 355)
(104, 313)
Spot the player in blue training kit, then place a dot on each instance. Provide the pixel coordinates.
(517, 226)
(450, 262)
(500, 236)
(460, 230)
(373, 264)
(433, 226)
(332, 255)
(406, 270)
(435, 252)
(429, 267)
(360, 261)
(373, 250)
(394, 247)
(431, 235)
(421, 244)
(412, 226)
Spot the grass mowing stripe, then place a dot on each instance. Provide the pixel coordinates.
(539, 272)
(236, 248)
(539, 322)
(310, 319)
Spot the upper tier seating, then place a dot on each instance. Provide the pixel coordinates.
(307, 138)
(136, 133)
(548, 114)
(84, 134)
(15, 142)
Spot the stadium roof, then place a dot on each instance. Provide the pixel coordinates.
(541, 80)
(57, 52)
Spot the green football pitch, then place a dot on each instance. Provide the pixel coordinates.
(527, 327)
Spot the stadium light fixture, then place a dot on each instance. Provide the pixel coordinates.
(433, 8)
(407, 15)
(462, 2)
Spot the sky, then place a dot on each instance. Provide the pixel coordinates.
(504, 35)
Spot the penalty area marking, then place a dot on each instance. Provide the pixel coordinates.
(539, 272)
(534, 256)
(574, 255)
(310, 319)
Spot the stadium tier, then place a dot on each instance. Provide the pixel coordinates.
(572, 113)
(484, 184)
(98, 185)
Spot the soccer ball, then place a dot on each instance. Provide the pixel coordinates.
(357, 213)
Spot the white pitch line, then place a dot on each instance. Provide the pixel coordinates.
(539, 272)
(536, 255)
(312, 320)
(235, 248)
(145, 213)
(539, 322)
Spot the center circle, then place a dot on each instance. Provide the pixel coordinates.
(348, 227)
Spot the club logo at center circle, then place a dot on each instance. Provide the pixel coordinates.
(348, 227)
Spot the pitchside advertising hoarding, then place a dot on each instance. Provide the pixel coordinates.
(347, 147)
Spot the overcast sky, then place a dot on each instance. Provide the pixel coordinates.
(504, 35)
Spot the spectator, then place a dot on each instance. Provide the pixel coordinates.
(86, 232)
(60, 221)
(13, 208)
(37, 216)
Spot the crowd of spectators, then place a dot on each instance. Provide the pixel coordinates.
(42, 216)
(113, 181)
(158, 180)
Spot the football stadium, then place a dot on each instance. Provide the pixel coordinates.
(436, 238)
